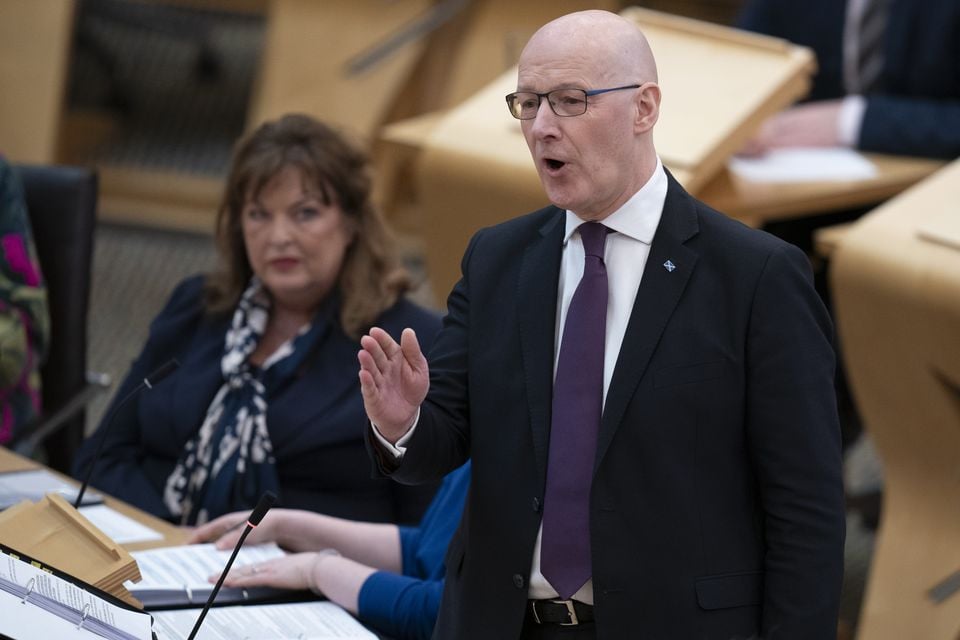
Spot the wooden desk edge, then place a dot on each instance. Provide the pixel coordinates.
(172, 535)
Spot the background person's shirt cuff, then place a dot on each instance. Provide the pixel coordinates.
(851, 120)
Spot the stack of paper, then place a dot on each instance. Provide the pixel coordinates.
(179, 576)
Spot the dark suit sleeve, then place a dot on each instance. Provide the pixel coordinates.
(120, 471)
(911, 126)
(794, 442)
(758, 16)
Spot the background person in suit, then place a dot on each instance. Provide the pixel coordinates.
(24, 325)
(887, 81)
(888, 75)
(681, 477)
(267, 397)
(390, 577)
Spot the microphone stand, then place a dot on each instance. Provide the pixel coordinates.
(266, 501)
(162, 372)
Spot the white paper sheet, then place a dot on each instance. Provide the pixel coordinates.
(803, 165)
(297, 621)
(118, 527)
(191, 565)
(33, 484)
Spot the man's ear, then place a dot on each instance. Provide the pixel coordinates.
(648, 107)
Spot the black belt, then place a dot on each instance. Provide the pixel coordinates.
(562, 612)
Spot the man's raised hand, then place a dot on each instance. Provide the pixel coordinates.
(394, 379)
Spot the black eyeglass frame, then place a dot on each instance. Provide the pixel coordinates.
(510, 97)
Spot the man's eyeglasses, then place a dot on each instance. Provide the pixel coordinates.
(524, 105)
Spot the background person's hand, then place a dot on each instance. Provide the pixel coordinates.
(394, 379)
(226, 530)
(293, 571)
(814, 124)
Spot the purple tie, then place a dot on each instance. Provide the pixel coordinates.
(577, 405)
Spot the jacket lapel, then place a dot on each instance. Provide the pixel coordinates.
(537, 308)
(659, 292)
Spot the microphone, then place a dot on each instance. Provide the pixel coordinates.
(159, 374)
(266, 501)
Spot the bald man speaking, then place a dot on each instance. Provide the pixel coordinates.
(645, 388)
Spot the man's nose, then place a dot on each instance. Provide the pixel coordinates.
(544, 124)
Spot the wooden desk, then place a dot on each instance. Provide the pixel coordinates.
(172, 535)
(755, 204)
(896, 282)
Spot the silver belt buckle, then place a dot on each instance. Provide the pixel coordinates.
(570, 611)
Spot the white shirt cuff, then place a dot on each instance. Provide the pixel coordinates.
(400, 447)
(851, 120)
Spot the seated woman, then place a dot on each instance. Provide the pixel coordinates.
(390, 577)
(267, 396)
(24, 325)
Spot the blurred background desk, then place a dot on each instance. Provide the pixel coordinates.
(756, 204)
(155, 92)
(896, 277)
(172, 535)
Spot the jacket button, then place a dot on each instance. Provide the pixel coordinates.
(536, 505)
(518, 581)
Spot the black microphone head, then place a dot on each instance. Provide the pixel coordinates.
(162, 372)
(266, 501)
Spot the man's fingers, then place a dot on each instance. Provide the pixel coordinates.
(388, 344)
(411, 349)
(379, 358)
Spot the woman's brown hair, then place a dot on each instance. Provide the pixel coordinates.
(371, 278)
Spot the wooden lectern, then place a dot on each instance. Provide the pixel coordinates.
(896, 284)
(55, 533)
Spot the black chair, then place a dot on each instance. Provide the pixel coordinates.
(62, 203)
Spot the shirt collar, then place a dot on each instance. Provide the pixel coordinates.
(639, 216)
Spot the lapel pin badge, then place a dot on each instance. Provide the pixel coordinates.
(669, 266)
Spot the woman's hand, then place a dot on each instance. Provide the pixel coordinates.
(226, 530)
(294, 571)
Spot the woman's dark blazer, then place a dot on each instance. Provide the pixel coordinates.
(317, 422)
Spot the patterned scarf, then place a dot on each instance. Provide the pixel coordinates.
(230, 462)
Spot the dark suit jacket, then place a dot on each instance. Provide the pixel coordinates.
(317, 422)
(717, 504)
(917, 110)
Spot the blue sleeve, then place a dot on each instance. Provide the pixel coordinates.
(400, 606)
(410, 546)
(406, 606)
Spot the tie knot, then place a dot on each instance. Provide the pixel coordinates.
(594, 236)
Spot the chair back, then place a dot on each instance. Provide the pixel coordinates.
(62, 204)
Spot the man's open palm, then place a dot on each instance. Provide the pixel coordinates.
(394, 379)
